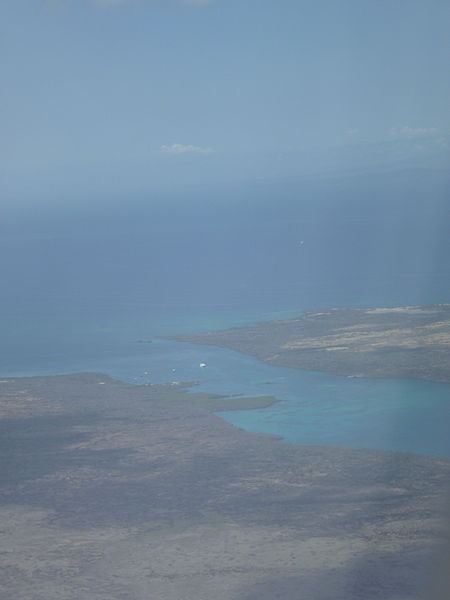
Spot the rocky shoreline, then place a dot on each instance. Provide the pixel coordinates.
(401, 342)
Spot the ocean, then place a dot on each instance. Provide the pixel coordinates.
(96, 285)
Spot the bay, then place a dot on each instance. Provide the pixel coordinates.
(96, 287)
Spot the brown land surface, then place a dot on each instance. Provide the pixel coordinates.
(402, 342)
(119, 492)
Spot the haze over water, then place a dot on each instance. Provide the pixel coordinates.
(87, 288)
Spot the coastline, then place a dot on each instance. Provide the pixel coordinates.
(411, 342)
(122, 490)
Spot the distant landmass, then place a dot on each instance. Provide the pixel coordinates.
(401, 342)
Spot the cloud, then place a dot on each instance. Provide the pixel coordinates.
(411, 132)
(107, 3)
(197, 2)
(110, 3)
(185, 149)
(352, 132)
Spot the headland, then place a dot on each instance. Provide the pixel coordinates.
(401, 342)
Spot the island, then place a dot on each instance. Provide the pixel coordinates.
(125, 492)
(399, 342)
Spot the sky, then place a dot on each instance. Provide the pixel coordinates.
(122, 97)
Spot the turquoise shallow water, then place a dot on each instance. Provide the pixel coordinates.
(318, 408)
(82, 285)
(314, 408)
(404, 415)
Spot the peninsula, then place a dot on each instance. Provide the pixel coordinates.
(402, 342)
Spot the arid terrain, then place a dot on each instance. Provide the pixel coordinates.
(118, 492)
(404, 342)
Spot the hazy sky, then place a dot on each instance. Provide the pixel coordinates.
(120, 96)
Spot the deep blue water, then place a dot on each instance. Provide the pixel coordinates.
(82, 283)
